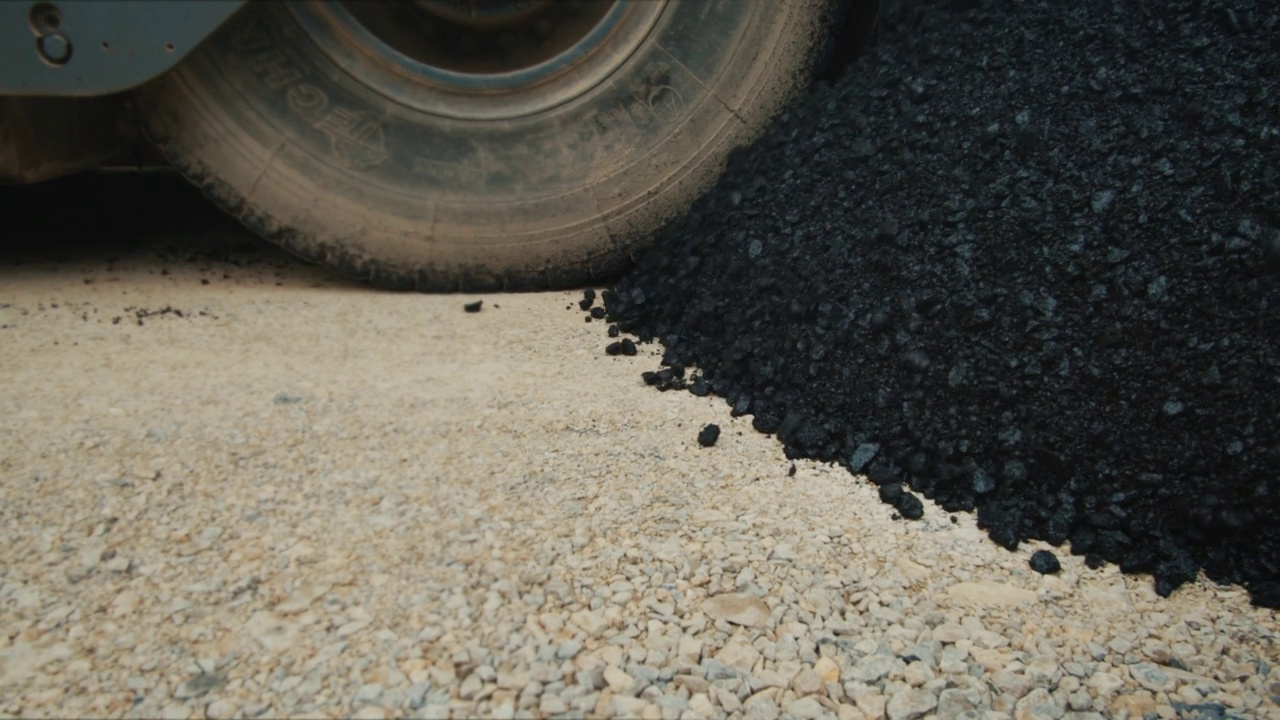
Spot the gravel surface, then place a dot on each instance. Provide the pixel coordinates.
(1024, 258)
(237, 486)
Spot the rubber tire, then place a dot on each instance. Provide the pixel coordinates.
(557, 199)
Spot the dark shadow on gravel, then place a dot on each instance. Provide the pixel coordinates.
(1023, 259)
(154, 220)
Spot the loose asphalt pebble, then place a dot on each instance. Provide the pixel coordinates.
(1045, 562)
(709, 435)
(1022, 259)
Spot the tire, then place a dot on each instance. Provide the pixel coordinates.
(282, 122)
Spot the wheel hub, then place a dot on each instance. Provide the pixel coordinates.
(479, 59)
(479, 37)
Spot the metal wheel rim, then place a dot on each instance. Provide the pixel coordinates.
(442, 92)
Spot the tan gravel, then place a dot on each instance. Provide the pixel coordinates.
(302, 497)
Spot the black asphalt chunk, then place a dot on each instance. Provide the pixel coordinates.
(1045, 562)
(709, 435)
(473, 307)
(625, 346)
(910, 506)
(1028, 252)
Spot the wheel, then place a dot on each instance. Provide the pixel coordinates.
(478, 145)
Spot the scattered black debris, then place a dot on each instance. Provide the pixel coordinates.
(1045, 562)
(141, 313)
(792, 471)
(588, 299)
(666, 379)
(597, 313)
(709, 435)
(1024, 259)
(473, 307)
(625, 346)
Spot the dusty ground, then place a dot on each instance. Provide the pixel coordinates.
(281, 493)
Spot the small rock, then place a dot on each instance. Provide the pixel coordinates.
(716, 670)
(917, 674)
(739, 609)
(910, 506)
(1044, 672)
(807, 682)
(624, 346)
(627, 707)
(550, 704)
(1080, 700)
(591, 622)
(950, 633)
(863, 455)
(1151, 677)
(1157, 651)
(738, 654)
(785, 552)
(916, 360)
(911, 704)
(1012, 682)
(805, 708)
(952, 661)
(760, 707)
(689, 650)
(872, 668)
(473, 307)
(470, 687)
(693, 683)
(728, 701)
(619, 681)
(827, 669)
(954, 701)
(568, 650)
(519, 680)
(867, 699)
(1038, 704)
(1104, 684)
(709, 435)
(700, 705)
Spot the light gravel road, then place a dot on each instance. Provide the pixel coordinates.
(235, 485)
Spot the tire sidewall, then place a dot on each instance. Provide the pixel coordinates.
(309, 155)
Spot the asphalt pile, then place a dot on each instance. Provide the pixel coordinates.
(1022, 259)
